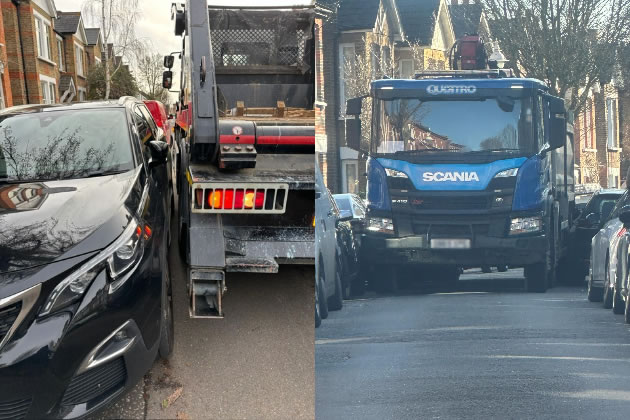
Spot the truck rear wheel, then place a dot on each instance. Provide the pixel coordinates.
(536, 278)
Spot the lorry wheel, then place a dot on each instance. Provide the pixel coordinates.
(502, 268)
(335, 302)
(357, 285)
(384, 281)
(167, 322)
(183, 243)
(486, 269)
(536, 278)
(451, 277)
(318, 316)
(595, 294)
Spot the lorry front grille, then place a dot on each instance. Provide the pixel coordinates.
(240, 198)
(481, 202)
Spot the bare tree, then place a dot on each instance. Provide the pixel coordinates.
(570, 44)
(149, 68)
(117, 19)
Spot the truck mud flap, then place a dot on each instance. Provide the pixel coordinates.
(206, 291)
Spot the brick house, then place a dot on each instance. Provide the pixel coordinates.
(74, 43)
(323, 15)
(597, 139)
(6, 96)
(94, 49)
(31, 50)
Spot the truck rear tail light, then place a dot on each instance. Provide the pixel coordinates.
(260, 198)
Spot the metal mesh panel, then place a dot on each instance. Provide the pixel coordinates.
(245, 38)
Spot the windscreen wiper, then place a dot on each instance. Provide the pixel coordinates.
(496, 150)
(93, 174)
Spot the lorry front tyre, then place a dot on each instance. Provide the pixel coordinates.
(183, 243)
(536, 278)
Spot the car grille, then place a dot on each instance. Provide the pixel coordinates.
(98, 382)
(16, 409)
(8, 315)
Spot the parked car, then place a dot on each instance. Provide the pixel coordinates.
(328, 286)
(603, 261)
(85, 291)
(586, 226)
(583, 194)
(348, 234)
(622, 288)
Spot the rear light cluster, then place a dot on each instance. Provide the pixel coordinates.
(259, 199)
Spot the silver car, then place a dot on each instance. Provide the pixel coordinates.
(603, 263)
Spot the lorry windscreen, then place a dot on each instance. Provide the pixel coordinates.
(493, 124)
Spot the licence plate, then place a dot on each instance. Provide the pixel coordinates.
(450, 243)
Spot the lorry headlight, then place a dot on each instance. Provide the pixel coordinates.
(525, 225)
(380, 224)
(507, 173)
(120, 258)
(395, 174)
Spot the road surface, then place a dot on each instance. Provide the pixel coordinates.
(488, 351)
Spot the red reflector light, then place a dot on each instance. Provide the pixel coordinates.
(260, 199)
(229, 199)
(138, 231)
(199, 198)
(147, 231)
(622, 232)
(249, 199)
(239, 197)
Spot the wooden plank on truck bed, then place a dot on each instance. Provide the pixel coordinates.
(296, 170)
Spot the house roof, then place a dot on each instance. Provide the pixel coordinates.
(465, 18)
(67, 22)
(92, 35)
(418, 18)
(357, 14)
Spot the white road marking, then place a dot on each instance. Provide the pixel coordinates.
(571, 358)
(598, 394)
(341, 340)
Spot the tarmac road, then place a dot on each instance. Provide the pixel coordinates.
(488, 351)
(257, 363)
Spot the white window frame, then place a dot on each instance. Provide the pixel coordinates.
(400, 67)
(43, 24)
(611, 120)
(48, 85)
(342, 82)
(60, 54)
(78, 58)
(346, 164)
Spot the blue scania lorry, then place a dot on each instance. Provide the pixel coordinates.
(465, 169)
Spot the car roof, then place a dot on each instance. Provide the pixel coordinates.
(124, 101)
(611, 191)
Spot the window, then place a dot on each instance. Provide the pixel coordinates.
(347, 62)
(351, 177)
(48, 92)
(611, 117)
(405, 69)
(42, 28)
(78, 54)
(60, 54)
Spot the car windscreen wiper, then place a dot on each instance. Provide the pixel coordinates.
(93, 174)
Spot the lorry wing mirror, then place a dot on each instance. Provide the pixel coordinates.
(557, 122)
(353, 106)
(169, 60)
(353, 133)
(167, 79)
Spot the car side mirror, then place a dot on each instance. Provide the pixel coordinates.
(159, 153)
(167, 79)
(353, 133)
(624, 216)
(345, 216)
(592, 219)
(169, 60)
(557, 122)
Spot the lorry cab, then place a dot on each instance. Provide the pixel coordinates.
(467, 171)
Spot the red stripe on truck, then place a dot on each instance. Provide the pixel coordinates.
(287, 140)
(231, 139)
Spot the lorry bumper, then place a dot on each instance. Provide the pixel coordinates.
(517, 251)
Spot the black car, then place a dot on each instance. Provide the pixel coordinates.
(85, 295)
(587, 225)
(352, 218)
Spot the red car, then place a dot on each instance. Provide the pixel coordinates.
(158, 111)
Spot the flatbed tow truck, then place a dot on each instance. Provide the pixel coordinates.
(246, 142)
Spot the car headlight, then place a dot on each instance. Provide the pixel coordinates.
(525, 225)
(380, 224)
(394, 173)
(507, 173)
(119, 259)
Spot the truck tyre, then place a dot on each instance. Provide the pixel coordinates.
(335, 302)
(384, 281)
(357, 285)
(486, 269)
(167, 322)
(536, 278)
(183, 243)
(318, 316)
(451, 278)
(502, 268)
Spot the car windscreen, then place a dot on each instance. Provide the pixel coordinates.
(345, 206)
(602, 205)
(63, 144)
